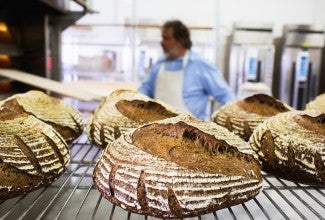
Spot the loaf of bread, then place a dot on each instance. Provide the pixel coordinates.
(121, 111)
(64, 118)
(178, 167)
(317, 104)
(243, 116)
(291, 145)
(32, 153)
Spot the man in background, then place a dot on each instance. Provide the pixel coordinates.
(181, 77)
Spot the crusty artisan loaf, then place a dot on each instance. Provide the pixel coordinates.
(178, 167)
(121, 111)
(65, 119)
(292, 145)
(317, 104)
(243, 116)
(32, 153)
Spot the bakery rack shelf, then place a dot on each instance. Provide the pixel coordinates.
(74, 197)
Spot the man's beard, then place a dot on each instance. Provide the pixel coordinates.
(171, 54)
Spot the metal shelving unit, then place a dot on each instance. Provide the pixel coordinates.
(74, 197)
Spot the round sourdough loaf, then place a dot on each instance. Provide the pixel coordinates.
(178, 167)
(121, 111)
(292, 145)
(65, 119)
(317, 104)
(243, 116)
(32, 153)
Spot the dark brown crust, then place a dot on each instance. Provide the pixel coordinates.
(316, 124)
(13, 104)
(69, 134)
(102, 136)
(263, 105)
(29, 154)
(293, 175)
(290, 170)
(111, 180)
(106, 193)
(173, 203)
(320, 167)
(188, 146)
(92, 132)
(228, 124)
(10, 110)
(15, 182)
(254, 109)
(183, 144)
(117, 132)
(9, 176)
(65, 131)
(247, 131)
(267, 147)
(80, 128)
(141, 193)
(143, 112)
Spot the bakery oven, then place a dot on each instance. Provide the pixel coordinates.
(30, 37)
(251, 59)
(300, 68)
(8, 52)
(24, 39)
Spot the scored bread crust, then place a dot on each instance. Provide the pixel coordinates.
(197, 172)
(243, 116)
(64, 118)
(121, 111)
(317, 104)
(32, 153)
(292, 145)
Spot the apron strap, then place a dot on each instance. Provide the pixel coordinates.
(185, 62)
(169, 85)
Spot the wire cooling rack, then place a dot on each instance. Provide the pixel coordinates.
(73, 196)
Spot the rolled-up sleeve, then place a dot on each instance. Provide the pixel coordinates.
(216, 86)
(202, 81)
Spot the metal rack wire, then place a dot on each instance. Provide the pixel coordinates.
(74, 197)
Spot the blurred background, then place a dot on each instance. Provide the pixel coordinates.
(273, 46)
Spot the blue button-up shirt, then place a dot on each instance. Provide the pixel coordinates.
(201, 80)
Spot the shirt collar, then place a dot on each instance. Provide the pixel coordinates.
(191, 56)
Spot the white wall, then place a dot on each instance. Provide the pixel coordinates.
(193, 12)
(109, 12)
(220, 14)
(210, 12)
(278, 12)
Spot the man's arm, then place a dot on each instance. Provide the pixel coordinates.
(148, 86)
(217, 86)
